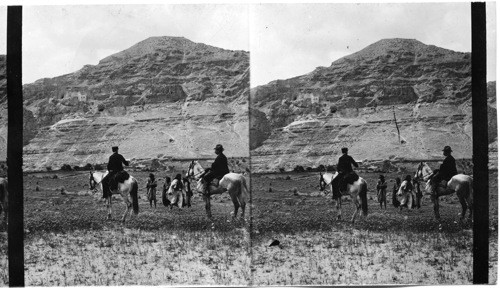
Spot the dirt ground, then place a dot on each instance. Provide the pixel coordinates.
(388, 247)
(69, 242)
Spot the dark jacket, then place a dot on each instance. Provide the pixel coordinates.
(115, 162)
(219, 167)
(344, 164)
(448, 169)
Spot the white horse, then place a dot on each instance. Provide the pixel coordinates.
(424, 172)
(460, 184)
(357, 190)
(128, 190)
(4, 198)
(235, 184)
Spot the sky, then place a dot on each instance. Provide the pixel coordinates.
(289, 40)
(62, 39)
(285, 40)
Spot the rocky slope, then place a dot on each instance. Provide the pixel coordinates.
(353, 101)
(163, 98)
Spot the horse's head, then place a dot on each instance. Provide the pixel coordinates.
(195, 170)
(424, 172)
(190, 171)
(326, 179)
(92, 181)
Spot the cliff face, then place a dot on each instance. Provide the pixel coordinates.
(165, 97)
(353, 101)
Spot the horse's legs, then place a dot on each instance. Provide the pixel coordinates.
(242, 204)
(470, 205)
(108, 204)
(128, 206)
(435, 200)
(338, 208)
(357, 209)
(207, 206)
(461, 198)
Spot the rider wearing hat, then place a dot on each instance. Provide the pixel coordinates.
(218, 169)
(344, 168)
(448, 169)
(114, 166)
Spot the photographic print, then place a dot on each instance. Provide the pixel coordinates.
(125, 109)
(354, 108)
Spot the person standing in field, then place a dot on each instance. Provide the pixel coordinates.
(151, 189)
(395, 189)
(382, 191)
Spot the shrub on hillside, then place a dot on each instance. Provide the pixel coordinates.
(66, 167)
(98, 167)
(298, 168)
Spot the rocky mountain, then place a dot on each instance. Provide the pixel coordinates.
(305, 120)
(163, 98)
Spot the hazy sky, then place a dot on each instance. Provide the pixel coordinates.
(61, 39)
(289, 40)
(285, 40)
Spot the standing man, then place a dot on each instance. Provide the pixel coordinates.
(114, 166)
(344, 168)
(218, 169)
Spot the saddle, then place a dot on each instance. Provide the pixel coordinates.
(121, 176)
(351, 177)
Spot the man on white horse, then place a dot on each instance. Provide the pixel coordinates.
(218, 169)
(346, 173)
(114, 166)
(447, 170)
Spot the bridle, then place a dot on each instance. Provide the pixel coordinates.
(322, 182)
(191, 174)
(93, 183)
(420, 173)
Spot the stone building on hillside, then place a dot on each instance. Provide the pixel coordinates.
(76, 91)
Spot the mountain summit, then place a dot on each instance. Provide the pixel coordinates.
(163, 97)
(166, 45)
(395, 46)
(303, 120)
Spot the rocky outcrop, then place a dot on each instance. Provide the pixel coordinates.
(163, 98)
(353, 101)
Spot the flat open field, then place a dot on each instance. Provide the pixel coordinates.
(69, 242)
(388, 247)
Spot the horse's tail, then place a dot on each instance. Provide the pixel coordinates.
(363, 196)
(244, 189)
(470, 188)
(135, 200)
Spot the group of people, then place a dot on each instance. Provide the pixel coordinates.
(446, 171)
(217, 170)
